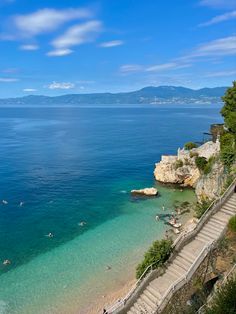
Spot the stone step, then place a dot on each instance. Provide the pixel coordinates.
(233, 206)
(216, 226)
(222, 216)
(227, 212)
(231, 202)
(213, 228)
(203, 238)
(154, 291)
(210, 233)
(177, 269)
(181, 262)
(139, 307)
(230, 207)
(142, 302)
(148, 301)
(218, 222)
(186, 255)
(151, 297)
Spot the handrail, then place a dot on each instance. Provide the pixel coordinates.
(171, 289)
(212, 296)
(181, 238)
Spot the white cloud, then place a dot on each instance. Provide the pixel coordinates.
(61, 85)
(112, 43)
(220, 47)
(129, 68)
(8, 80)
(29, 47)
(221, 74)
(59, 52)
(167, 66)
(78, 35)
(218, 3)
(220, 18)
(46, 20)
(29, 90)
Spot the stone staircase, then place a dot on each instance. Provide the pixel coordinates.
(153, 294)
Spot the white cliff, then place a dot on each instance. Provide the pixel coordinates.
(181, 169)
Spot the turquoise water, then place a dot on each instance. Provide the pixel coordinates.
(73, 164)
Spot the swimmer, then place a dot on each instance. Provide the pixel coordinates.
(50, 235)
(157, 218)
(163, 207)
(4, 202)
(21, 204)
(108, 267)
(6, 262)
(82, 223)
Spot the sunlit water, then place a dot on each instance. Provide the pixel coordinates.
(78, 164)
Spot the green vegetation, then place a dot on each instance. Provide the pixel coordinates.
(200, 208)
(178, 164)
(201, 163)
(205, 165)
(224, 300)
(190, 145)
(158, 253)
(232, 224)
(228, 138)
(193, 154)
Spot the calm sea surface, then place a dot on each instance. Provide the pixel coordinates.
(69, 165)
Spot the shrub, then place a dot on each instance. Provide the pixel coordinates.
(201, 163)
(190, 145)
(200, 208)
(193, 154)
(232, 224)
(178, 164)
(224, 300)
(209, 165)
(227, 156)
(158, 253)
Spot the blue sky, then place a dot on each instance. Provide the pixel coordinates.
(58, 47)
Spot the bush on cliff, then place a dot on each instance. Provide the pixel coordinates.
(201, 163)
(200, 208)
(232, 224)
(178, 164)
(158, 253)
(190, 145)
(224, 300)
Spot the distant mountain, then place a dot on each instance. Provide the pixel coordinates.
(147, 95)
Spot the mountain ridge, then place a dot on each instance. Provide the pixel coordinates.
(145, 95)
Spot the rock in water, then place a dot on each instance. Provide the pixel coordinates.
(146, 192)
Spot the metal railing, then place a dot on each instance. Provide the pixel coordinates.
(179, 241)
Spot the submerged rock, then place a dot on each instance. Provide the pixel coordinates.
(147, 192)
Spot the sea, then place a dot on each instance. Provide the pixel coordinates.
(61, 166)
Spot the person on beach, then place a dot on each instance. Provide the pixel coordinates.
(157, 218)
(163, 207)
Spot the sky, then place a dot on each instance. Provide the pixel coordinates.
(70, 46)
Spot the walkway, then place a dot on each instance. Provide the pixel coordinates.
(154, 293)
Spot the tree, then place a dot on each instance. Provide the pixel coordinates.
(229, 109)
(190, 145)
(201, 163)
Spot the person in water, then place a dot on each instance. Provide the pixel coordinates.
(157, 218)
(6, 262)
(50, 235)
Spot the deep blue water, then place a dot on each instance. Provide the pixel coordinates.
(71, 164)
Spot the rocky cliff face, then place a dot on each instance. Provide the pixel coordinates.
(181, 169)
(210, 186)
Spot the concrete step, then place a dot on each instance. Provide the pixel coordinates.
(222, 216)
(214, 225)
(142, 302)
(176, 269)
(218, 222)
(186, 255)
(230, 207)
(233, 206)
(205, 239)
(227, 212)
(231, 202)
(210, 233)
(183, 263)
(154, 291)
(148, 301)
(139, 307)
(151, 297)
(213, 228)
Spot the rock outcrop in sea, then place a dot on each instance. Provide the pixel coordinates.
(181, 169)
(146, 192)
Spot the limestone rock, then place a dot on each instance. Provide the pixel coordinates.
(147, 192)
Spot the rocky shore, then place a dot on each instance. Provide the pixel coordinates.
(182, 169)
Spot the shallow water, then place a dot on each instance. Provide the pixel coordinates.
(78, 164)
